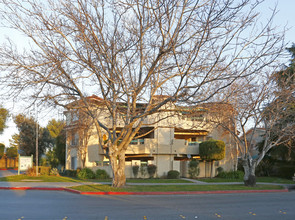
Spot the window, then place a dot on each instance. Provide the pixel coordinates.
(73, 163)
(75, 116)
(75, 139)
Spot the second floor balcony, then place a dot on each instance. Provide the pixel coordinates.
(151, 146)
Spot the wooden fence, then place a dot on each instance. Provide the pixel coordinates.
(6, 162)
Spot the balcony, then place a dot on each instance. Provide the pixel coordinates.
(183, 147)
(150, 146)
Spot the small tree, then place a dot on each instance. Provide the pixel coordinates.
(212, 150)
(57, 132)
(151, 168)
(51, 159)
(3, 118)
(14, 141)
(193, 168)
(2, 146)
(135, 170)
(11, 152)
(143, 170)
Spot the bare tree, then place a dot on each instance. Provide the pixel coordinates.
(84, 130)
(253, 114)
(130, 52)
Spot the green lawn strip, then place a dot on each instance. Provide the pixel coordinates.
(44, 178)
(219, 180)
(274, 180)
(258, 180)
(157, 181)
(171, 188)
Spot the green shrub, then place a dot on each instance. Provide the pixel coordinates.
(265, 167)
(11, 152)
(101, 174)
(143, 170)
(54, 172)
(2, 147)
(70, 173)
(173, 174)
(135, 170)
(151, 168)
(31, 171)
(286, 171)
(219, 169)
(231, 174)
(193, 168)
(44, 170)
(86, 173)
(212, 150)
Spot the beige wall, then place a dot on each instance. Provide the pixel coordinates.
(163, 147)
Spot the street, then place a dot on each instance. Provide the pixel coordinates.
(16, 204)
(4, 173)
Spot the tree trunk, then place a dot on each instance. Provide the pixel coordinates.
(249, 169)
(212, 165)
(118, 166)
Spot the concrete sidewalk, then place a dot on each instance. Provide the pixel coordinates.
(44, 184)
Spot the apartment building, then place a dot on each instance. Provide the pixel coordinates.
(169, 140)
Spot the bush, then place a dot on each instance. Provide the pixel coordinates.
(135, 170)
(31, 171)
(54, 172)
(212, 150)
(41, 170)
(2, 147)
(86, 173)
(11, 152)
(286, 171)
(44, 170)
(101, 174)
(70, 173)
(219, 170)
(193, 169)
(265, 167)
(173, 174)
(151, 168)
(143, 170)
(231, 175)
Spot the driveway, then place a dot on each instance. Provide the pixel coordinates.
(4, 173)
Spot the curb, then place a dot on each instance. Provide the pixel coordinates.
(143, 193)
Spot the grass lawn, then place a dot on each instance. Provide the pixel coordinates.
(258, 179)
(157, 181)
(44, 178)
(170, 188)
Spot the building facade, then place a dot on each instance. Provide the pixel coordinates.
(168, 141)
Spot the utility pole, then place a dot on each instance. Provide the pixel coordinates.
(37, 134)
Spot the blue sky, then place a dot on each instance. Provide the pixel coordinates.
(284, 17)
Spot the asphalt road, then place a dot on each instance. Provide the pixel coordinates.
(4, 173)
(68, 206)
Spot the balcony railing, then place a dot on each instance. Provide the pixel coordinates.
(137, 142)
(150, 146)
